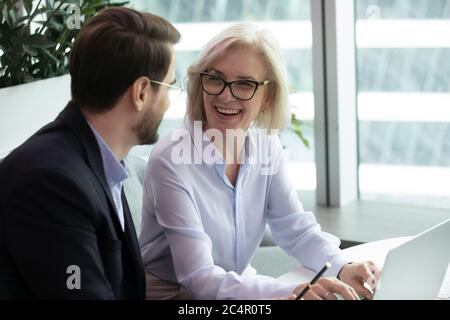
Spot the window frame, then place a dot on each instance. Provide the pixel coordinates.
(336, 202)
(335, 123)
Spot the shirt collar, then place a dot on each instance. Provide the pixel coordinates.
(115, 170)
(200, 141)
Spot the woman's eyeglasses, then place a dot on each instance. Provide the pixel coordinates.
(240, 89)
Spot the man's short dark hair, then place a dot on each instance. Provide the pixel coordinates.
(113, 49)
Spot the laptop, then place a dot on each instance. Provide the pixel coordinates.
(416, 269)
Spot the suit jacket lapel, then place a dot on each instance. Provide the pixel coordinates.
(131, 237)
(74, 119)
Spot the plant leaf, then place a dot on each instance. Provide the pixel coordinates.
(296, 128)
(32, 52)
(37, 40)
(28, 4)
(12, 15)
(48, 53)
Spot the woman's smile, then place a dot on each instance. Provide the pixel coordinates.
(228, 112)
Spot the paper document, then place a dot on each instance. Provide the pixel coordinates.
(445, 289)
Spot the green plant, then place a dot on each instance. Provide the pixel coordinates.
(35, 41)
(296, 127)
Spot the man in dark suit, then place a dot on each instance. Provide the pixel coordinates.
(65, 227)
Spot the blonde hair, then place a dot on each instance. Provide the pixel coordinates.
(244, 35)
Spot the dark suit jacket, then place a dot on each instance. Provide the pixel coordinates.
(56, 211)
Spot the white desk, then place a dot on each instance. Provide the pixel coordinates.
(375, 251)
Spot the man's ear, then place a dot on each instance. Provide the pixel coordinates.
(140, 92)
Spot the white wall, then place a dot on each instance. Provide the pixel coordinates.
(26, 108)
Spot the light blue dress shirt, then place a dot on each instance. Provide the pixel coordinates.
(202, 232)
(115, 173)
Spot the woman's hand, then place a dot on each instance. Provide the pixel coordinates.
(326, 288)
(357, 274)
(289, 297)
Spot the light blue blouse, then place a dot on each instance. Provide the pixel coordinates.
(202, 232)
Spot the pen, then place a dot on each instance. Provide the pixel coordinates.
(314, 280)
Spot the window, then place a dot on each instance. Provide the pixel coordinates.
(404, 101)
(199, 20)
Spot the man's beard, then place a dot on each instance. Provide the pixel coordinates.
(147, 129)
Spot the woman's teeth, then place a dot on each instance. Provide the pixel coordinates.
(228, 112)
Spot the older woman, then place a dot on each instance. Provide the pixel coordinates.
(211, 188)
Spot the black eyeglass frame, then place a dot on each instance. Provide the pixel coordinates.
(230, 83)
